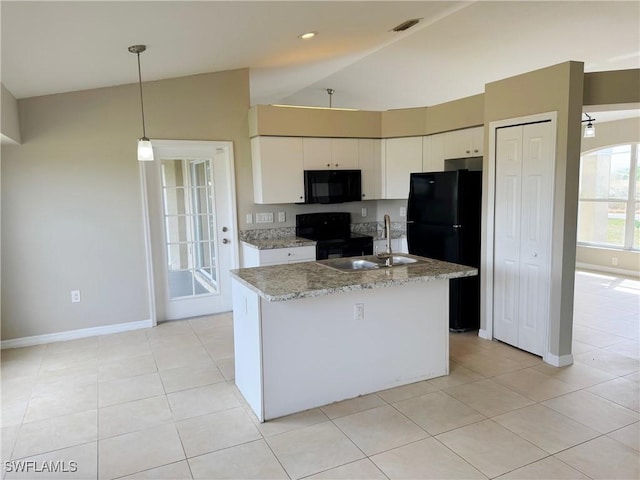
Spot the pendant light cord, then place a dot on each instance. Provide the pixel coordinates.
(144, 131)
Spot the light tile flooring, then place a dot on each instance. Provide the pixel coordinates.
(161, 404)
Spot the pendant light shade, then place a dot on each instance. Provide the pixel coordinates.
(145, 149)
(589, 130)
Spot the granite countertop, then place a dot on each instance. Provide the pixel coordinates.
(279, 242)
(309, 279)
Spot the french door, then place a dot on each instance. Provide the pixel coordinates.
(191, 197)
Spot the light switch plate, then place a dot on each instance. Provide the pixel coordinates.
(249, 218)
(281, 217)
(403, 212)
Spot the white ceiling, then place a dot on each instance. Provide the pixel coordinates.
(53, 47)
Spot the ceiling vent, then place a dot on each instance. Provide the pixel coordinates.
(406, 25)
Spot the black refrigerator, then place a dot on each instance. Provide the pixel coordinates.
(443, 222)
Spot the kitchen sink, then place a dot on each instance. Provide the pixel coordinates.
(369, 262)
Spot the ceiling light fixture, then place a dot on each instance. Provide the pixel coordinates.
(145, 150)
(307, 36)
(330, 91)
(589, 130)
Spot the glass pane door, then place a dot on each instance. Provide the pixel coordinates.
(188, 201)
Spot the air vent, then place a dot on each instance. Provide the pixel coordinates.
(406, 25)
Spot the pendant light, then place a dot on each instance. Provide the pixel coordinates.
(145, 150)
(589, 131)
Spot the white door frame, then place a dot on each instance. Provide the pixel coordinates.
(148, 173)
(487, 312)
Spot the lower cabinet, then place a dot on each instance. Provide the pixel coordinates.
(254, 257)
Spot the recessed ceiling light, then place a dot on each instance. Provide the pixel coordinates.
(307, 36)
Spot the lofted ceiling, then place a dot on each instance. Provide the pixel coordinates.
(53, 47)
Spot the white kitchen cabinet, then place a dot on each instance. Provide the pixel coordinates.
(370, 164)
(255, 257)
(277, 169)
(330, 153)
(433, 153)
(464, 143)
(402, 156)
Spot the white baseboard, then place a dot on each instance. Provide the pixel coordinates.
(484, 334)
(74, 334)
(558, 361)
(600, 268)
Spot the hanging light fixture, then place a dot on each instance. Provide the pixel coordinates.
(330, 91)
(589, 130)
(145, 150)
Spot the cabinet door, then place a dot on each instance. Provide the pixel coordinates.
(344, 153)
(370, 164)
(402, 157)
(277, 169)
(317, 153)
(477, 141)
(457, 144)
(433, 153)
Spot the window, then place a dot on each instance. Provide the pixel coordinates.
(609, 199)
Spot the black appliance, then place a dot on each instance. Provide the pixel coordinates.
(333, 235)
(443, 222)
(332, 186)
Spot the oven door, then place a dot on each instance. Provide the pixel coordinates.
(342, 248)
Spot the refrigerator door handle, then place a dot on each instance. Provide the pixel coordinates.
(410, 221)
(457, 226)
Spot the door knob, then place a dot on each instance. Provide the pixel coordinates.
(225, 240)
(225, 229)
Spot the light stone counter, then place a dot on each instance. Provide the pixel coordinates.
(310, 279)
(278, 242)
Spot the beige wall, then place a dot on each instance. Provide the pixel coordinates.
(73, 187)
(607, 134)
(558, 88)
(612, 87)
(9, 122)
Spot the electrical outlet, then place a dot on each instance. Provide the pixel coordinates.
(358, 311)
(266, 217)
(249, 218)
(364, 211)
(614, 261)
(281, 217)
(403, 212)
(75, 296)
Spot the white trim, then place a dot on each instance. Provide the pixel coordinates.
(555, 361)
(482, 333)
(151, 296)
(600, 268)
(74, 334)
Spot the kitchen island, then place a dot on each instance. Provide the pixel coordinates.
(306, 334)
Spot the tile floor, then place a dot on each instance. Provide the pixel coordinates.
(161, 404)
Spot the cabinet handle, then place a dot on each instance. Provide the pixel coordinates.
(328, 164)
(337, 164)
(363, 195)
(289, 254)
(468, 151)
(475, 151)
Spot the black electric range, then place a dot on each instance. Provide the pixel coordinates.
(333, 235)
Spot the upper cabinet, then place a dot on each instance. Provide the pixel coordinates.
(433, 153)
(277, 169)
(402, 156)
(370, 164)
(330, 153)
(464, 143)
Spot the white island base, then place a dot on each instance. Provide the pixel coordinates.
(308, 352)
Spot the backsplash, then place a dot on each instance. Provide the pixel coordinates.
(370, 228)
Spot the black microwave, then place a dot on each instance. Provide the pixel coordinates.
(332, 186)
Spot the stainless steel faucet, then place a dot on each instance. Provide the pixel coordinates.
(387, 233)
